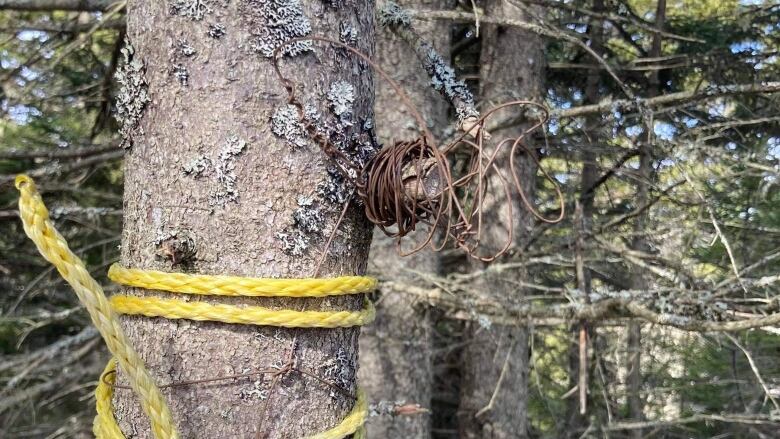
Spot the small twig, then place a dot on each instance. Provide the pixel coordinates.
(500, 381)
(718, 232)
(755, 371)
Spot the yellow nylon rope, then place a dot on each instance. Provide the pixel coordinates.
(240, 286)
(248, 315)
(103, 312)
(105, 425)
(53, 247)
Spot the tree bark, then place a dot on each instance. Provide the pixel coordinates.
(395, 360)
(395, 351)
(494, 393)
(216, 165)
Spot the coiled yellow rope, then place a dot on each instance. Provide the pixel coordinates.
(53, 247)
(239, 286)
(105, 425)
(248, 315)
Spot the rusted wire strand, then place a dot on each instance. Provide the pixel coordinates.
(411, 182)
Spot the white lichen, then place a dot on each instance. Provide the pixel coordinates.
(281, 21)
(308, 218)
(133, 93)
(185, 48)
(393, 15)
(192, 9)
(216, 30)
(341, 96)
(181, 74)
(484, 321)
(444, 80)
(197, 166)
(257, 391)
(224, 170)
(89, 212)
(286, 123)
(334, 188)
(340, 371)
(311, 113)
(442, 75)
(294, 243)
(348, 34)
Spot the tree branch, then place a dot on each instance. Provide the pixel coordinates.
(56, 168)
(609, 105)
(56, 5)
(466, 308)
(51, 153)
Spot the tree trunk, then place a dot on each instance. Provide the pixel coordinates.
(638, 277)
(495, 360)
(583, 222)
(219, 179)
(395, 360)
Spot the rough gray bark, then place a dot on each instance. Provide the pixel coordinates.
(494, 395)
(206, 170)
(395, 351)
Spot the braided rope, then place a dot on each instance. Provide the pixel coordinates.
(105, 425)
(247, 315)
(54, 248)
(239, 286)
(103, 312)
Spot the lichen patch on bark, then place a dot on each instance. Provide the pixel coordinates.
(391, 14)
(275, 22)
(185, 48)
(341, 96)
(308, 222)
(133, 93)
(181, 74)
(227, 190)
(197, 166)
(192, 9)
(308, 217)
(286, 123)
(221, 168)
(216, 30)
(348, 34)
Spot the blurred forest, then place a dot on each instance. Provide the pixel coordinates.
(664, 138)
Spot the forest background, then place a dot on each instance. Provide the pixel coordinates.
(663, 137)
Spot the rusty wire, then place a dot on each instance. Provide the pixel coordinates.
(411, 182)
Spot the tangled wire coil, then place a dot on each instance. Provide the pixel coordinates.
(411, 182)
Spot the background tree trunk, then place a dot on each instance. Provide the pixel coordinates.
(206, 171)
(638, 277)
(577, 414)
(395, 351)
(495, 358)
